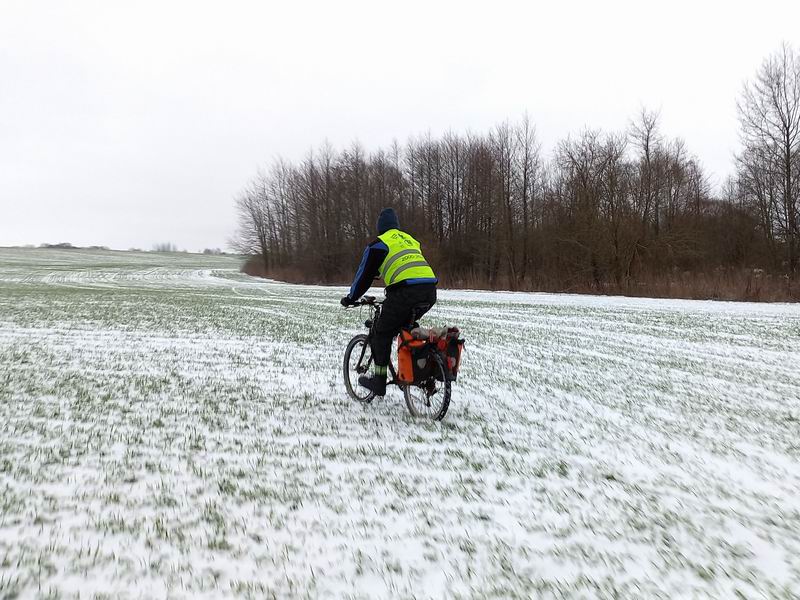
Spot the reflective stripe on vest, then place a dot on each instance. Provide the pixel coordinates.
(404, 260)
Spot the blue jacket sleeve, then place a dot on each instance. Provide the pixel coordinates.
(370, 266)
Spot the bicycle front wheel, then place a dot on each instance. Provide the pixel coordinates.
(430, 398)
(357, 361)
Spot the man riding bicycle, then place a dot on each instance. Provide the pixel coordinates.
(410, 288)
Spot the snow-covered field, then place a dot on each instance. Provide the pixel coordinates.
(169, 427)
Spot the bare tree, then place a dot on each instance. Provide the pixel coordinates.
(769, 166)
(528, 180)
(252, 209)
(645, 136)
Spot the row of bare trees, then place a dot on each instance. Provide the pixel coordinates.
(606, 212)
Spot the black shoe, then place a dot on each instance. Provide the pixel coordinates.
(375, 384)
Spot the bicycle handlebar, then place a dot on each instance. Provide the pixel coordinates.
(366, 301)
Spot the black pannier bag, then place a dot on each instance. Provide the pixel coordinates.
(422, 363)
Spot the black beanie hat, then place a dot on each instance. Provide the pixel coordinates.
(387, 220)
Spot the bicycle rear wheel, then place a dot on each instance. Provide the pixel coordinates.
(430, 399)
(357, 361)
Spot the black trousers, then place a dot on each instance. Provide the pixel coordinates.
(396, 313)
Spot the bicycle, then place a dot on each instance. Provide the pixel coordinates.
(429, 398)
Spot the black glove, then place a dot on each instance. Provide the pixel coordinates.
(346, 301)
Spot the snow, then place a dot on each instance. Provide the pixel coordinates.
(170, 427)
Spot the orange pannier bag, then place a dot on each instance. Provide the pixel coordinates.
(407, 347)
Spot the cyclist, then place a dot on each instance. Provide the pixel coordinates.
(410, 282)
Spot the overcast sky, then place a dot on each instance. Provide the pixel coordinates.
(127, 124)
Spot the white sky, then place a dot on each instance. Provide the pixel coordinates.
(131, 123)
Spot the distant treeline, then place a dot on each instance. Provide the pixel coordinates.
(163, 247)
(624, 212)
(68, 246)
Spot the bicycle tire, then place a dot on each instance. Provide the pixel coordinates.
(350, 378)
(425, 411)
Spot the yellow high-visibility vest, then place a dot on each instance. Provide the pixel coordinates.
(404, 260)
